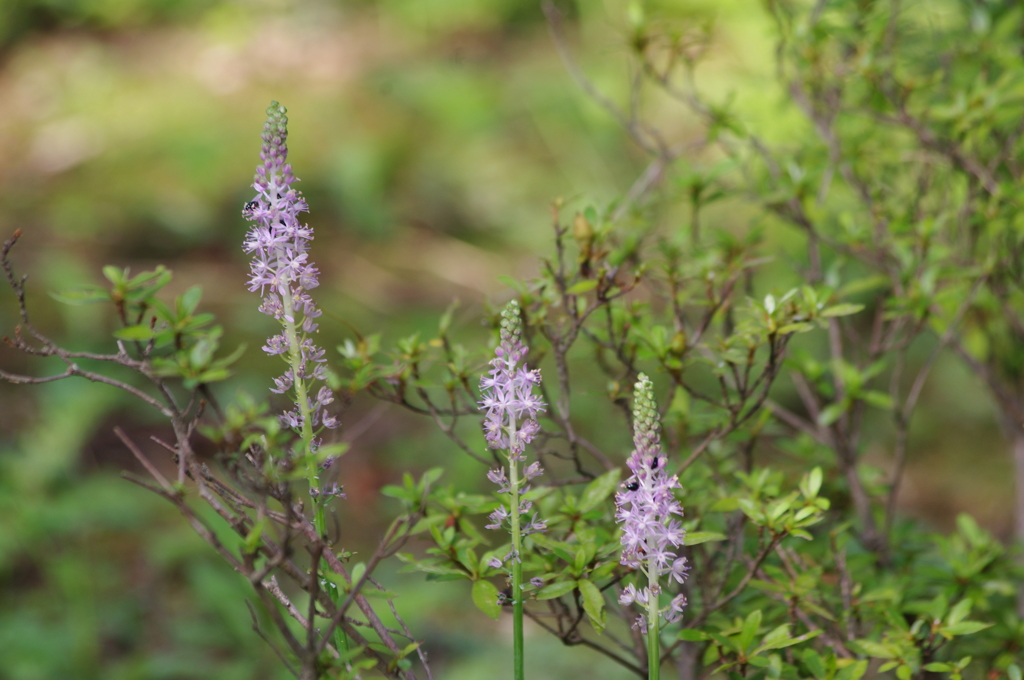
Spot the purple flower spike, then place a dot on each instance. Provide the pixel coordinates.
(645, 509)
(509, 424)
(511, 406)
(282, 273)
(507, 389)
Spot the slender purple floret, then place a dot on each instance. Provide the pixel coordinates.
(511, 419)
(645, 508)
(282, 272)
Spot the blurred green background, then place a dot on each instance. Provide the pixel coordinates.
(431, 137)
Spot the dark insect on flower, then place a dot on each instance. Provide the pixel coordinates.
(633, 486)
(250, 206)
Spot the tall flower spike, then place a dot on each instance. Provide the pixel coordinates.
(645, 508)
(511, 409)
(282, 273)
(507, 389)
(510, 424)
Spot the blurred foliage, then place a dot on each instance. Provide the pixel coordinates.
(432, 137)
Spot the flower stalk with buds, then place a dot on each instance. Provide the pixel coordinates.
(510, 424)
(282, 273)
(650, 533)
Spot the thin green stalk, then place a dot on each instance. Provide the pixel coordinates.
(312, 469)
(653, 622)
(302, 401)
(517, 564)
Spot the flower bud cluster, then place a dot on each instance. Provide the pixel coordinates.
(646, 509)
(282, 273)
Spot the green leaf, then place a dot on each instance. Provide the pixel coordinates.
(877, 399)
(727, 504)
(401, 494)
(750, 628)
(963, 628)
(814, 478)
(875, 649)
(431, 567)
(831, 413)
(580, 561)
(804, 513)
(598, 490)
(593, 604)
(81, 295)
(467, 558)
(347, 655)
(231, 358)
(141, 332)
(751, 510)
(550, 592)
(698, 537)
(960, 611)
(842, 309)
(582, 287)
(863, 285)
(854, 671)
(115, 275)
(189, 300)
(445, 322)
(429, 477)
(799, 327)
(485, 597)
(767, 587)
(562, 550)
(255, 536)
(338, 580)
(357, 572)
(693, 635)
(775, 639)
(202, 352)
(814, 663)
(938, 667)
(211, 376)
(781, 643)
(156, 278)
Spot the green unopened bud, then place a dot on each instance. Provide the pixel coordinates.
(511, 323)
(276, 128)
(645, 411)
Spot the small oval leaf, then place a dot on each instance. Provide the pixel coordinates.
(485, 597)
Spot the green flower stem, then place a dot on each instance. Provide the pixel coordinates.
(312, 469)
(517, 564)
(302, 401)
(653, 621)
